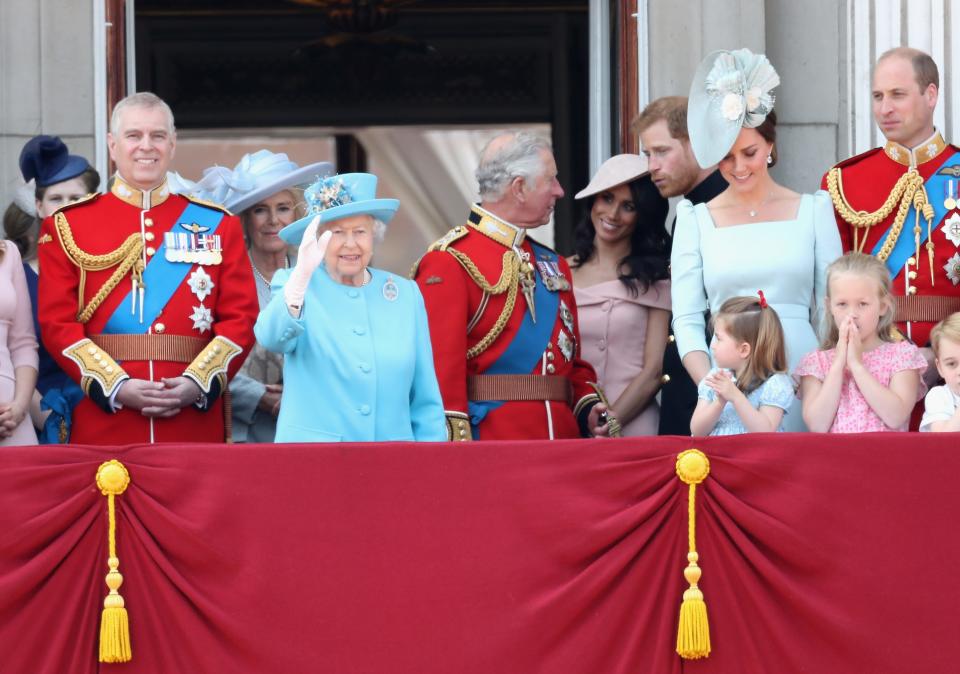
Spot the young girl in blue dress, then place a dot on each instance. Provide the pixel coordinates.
(748, 390)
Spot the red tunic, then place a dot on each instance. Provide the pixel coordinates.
(867, 181)
(102, 224)
(461, 315)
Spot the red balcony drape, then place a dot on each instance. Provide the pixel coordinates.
(819, 554)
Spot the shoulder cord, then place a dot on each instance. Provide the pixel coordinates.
(907, 191)
(508, 282)
(128, 256)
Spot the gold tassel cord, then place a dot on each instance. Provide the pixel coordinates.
(112, 480)
(693, 632)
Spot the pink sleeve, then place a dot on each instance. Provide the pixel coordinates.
(21, 340)
(906, 356)
(813, 364)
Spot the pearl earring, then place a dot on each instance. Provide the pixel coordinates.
(769, 158)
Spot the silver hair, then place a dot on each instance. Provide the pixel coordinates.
(520, 157)
(379, 230)
(141, 99)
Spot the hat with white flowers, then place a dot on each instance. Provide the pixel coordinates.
(731, 90)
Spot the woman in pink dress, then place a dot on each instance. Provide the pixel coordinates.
(621, 282)
(18, 351)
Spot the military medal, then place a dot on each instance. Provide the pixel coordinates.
(202, 318)
(552, 277)
(951, 228)
(528, 284)
(952, 267)
(566, 316)
(566, 345)
(950, 202)
(390, 290)
(200, 283)
(193, 246)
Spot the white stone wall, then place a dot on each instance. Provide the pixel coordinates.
(46, 79)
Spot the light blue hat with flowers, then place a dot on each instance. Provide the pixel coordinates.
(337, 197)
(731, 90)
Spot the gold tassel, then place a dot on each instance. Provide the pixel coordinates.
(693, 633)
(113, 479)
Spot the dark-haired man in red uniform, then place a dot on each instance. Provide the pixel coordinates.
(147, 298)
(503, 320)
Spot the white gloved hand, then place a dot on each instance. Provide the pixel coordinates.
(309, 258)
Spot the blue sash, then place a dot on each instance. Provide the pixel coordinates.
(528, 343)
(905, 246)
(161, 277)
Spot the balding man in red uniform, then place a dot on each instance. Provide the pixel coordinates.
(503, 320)
(147, 298)
(876, 195)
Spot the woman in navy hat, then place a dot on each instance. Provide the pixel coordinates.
(58, 178)
(358, 364)
(262, 190)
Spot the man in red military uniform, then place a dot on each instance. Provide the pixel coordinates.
(876, 195)
(146, 298)
(503, 320)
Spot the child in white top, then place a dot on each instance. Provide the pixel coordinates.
(748, 342)
(941, 408)
(864, 378)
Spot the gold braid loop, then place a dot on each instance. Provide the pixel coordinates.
(508, 275)
(904, 193)
(509, 282)
(498, 327)
(128, 255)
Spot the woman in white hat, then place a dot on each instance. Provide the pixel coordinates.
(262, 190)
(358, 363)
(757, 234)
(621, 282)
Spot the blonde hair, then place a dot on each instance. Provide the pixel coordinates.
(949, 329)
(299, 211)
(870, 267)
(747, 321)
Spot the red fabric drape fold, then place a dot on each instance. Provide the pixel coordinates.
(819, 554)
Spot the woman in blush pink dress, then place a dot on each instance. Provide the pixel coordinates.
(18, 351)
(621, 282)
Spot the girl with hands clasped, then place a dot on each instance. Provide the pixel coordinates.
(864, 378)
(748, 391)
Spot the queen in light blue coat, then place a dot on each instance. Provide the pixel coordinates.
(358, 365)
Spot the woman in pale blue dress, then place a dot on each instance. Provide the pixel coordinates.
(754, 235)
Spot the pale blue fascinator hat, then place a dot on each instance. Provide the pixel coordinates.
(337, 197)
(731, 90)
(256, 176)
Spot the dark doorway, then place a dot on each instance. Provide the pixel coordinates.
(343, 63)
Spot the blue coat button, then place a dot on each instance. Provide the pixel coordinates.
(359, 330)
(364, 367)
(365, 410)
(353, 293)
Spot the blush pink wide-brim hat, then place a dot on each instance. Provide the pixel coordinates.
(617, 170)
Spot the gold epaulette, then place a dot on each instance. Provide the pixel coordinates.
(444, 241)
(95, 365)
(454, 234)
(126, 257)
(212, 363)
(93, 196)
(208, 204)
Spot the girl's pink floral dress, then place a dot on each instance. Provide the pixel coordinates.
(854, 415)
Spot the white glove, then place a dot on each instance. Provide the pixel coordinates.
(309, 258)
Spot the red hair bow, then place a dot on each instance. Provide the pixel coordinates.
(763, 300)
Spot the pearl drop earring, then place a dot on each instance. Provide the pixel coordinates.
(769, 158)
